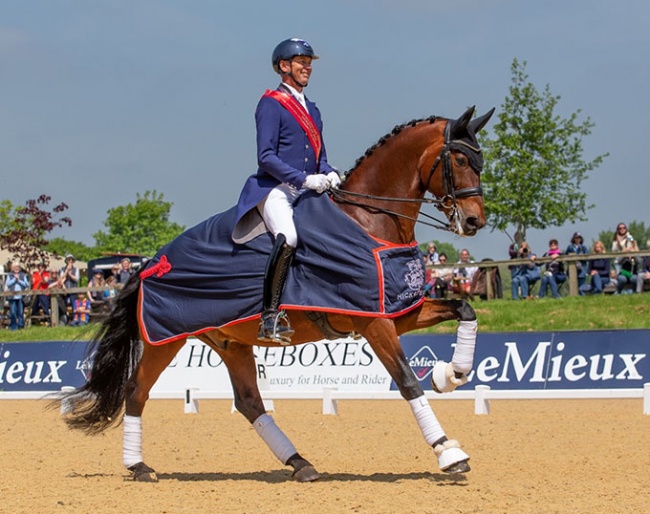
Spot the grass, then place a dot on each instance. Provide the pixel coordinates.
(598, 312)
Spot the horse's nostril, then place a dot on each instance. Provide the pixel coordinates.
(474, 223)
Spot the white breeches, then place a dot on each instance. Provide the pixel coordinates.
(277, 211)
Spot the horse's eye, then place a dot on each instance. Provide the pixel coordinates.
(461, 160)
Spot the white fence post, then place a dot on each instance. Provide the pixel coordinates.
(66, 406)
(646, 398)
(481, 402)
(191, 403)
(330, 405)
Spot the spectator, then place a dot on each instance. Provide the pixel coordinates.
(463, 275)
(80, 311)
(115, 272)
(644, 270)
(524, 276)
(96, 298)
(111, 292)
(70, 277)
(443, 277)
(514, 251)
(17, 281)
(40, 281)
(57, 281)
(431, 255)
(578, 247)
(625, 266)
(623, 242)
(125, 271)
(553, 276)
(598, 270)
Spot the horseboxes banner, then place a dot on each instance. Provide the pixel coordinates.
(541, 360)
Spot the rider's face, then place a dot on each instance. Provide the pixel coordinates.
(297, 71)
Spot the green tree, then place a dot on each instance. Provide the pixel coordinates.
(61, 246)
(140, 228)
(24, 229)
(534, 166)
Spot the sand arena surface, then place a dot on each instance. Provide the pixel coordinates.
(542, 456)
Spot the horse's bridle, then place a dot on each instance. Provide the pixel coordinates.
(447, 203)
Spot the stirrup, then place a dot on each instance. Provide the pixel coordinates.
(272, 330)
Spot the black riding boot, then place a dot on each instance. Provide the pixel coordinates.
(271, 328)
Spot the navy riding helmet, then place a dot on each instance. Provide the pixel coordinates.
(290, 48)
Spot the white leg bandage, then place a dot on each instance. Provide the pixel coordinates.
(279, 443)
(463, 358)
(132, 446)
(431, 429)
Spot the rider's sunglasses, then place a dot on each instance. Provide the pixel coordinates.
(302, 62)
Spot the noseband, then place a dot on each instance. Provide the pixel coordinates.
(446, 204)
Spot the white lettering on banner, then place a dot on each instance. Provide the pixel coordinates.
(512, 355)
(558, 368)
(487, 364)
(630, 362)
(30, 372)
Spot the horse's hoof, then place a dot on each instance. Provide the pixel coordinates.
(451, 459)
(459, 467)
(306, 474)
(444, 379)
(143, 473)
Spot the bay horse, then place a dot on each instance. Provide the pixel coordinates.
(383, 194)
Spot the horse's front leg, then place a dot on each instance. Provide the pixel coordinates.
(240, 361)
(382, 336)
(153, 362)
(448, 376)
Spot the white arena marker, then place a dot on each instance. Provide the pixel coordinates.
(330, 405)
(481, 402)
(646, 399)
(66, 406)
(191, 402)
(263, 384)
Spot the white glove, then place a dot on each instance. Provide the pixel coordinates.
(318, 182)
(333, 177)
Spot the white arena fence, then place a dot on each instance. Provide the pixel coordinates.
(482, 395)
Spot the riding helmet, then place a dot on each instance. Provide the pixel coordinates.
(290, 48)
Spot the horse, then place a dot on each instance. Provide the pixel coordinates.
(382, 194)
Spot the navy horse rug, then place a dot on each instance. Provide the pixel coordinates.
(203, 280)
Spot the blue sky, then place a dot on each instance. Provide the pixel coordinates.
(100, 100)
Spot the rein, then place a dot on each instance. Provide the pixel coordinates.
(446, 203)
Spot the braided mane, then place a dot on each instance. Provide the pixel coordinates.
(396, 130)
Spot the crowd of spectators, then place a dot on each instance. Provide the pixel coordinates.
(595, 276)
(622, 275)
(33, 292)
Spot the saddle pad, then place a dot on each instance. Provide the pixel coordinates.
(202, 280)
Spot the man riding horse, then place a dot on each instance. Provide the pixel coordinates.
(292, 159)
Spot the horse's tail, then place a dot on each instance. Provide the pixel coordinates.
(115, 351)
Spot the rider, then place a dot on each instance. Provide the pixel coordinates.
(291, 157)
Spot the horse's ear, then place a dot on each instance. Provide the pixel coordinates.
(459, 126)
(477, 124)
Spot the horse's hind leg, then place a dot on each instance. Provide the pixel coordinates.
(153, 362)
(382, 336)
(241, 366)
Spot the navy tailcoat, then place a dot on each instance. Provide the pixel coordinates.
(284, 153)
